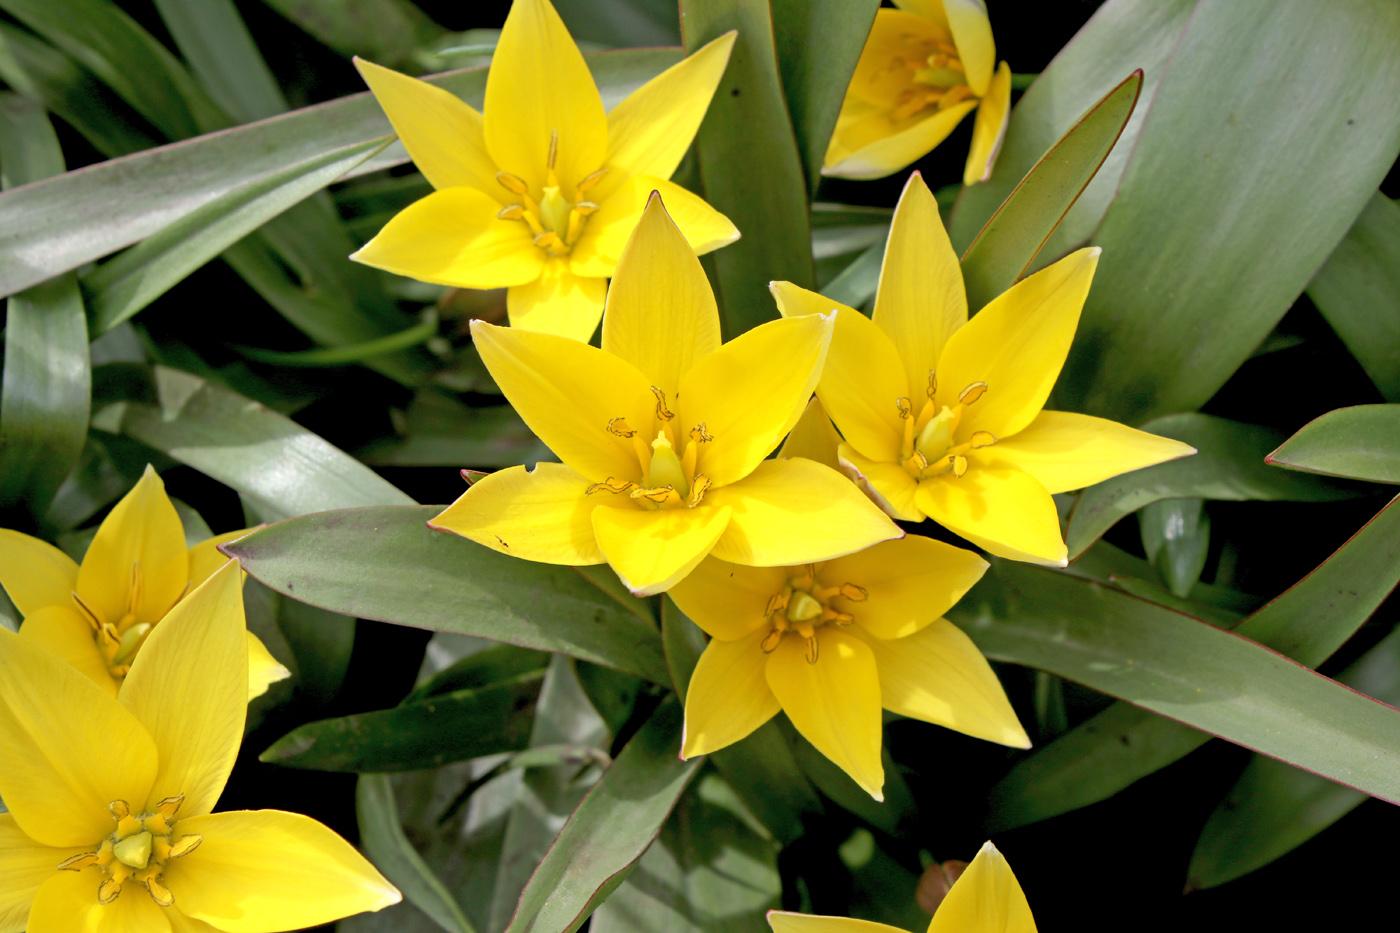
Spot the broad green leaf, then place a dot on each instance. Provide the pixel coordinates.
(603, 577)
(321, 642)
(609, 831)
(762, 761)
(385, 31)
(434, 731)
(1005, 247)
(894, 814)
(383, 839)
(1361, 442)
(44, 396)
(438, 580)
(221, 53)
(438, 430)
(1207, 242)
(1156, 593)
(1358, 292)
(1176, 537)
(747, 125)
(612, 693)
(1228, 464)
(486, 666)
(108, 466)
(622, 23)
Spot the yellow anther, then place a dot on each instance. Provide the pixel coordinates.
(972, 393)
(777, 602)
(698, 487)
(78, 862)
(511, 212)
(611, 485)
(88, 612)
(170, 806)
(955, 95)
(838, 618)
(959, 465)
(108, 890)
(770, 641)
(620, 427)
(159, 892)
(698, 434)
(133, 851)
(811, 649)
(982, 439)
(917, 462)
(553, 149)
(856, 594)
(548, 240)
(120, 809)
(185, 845)
(932, 385)
(587, 208)
(511, 183)
(133, 595)
(657, 494)
(662, 411)
(905, 409)
(591, 180)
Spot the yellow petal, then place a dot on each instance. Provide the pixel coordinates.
(442, 133)
(143, 529)
(728, 696)
(205, 557)
(751, 391)
(1017, 345)
(972, 34)
(814, 437)
(796, 512)
(70, 749)
(35, 573)
(986, 897)
(887, 484)
(1067, 451)
(453, 237)
(728, 600)
(783, 921)
(259, 870)
(180, 923)
(928, 9)
(651, 129)
(568, 393)
(263, 669)
(869, 144)
(61, 630)
(541, 514)
(908, 583)
(661, 313)
(67, 901)
(989, 128)
(189, 687)
(599, 249)
(558, 302)
(1005, 512)
(896, 37)
(834, 703)
(864, 375)
(937, 675)
(24, 864)
(539, 89)
(651, 551)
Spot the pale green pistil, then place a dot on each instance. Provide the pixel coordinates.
(134, 851)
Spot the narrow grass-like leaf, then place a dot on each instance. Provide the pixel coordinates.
(221, 53)
(857, 283)
(438, 430)
(683, 642)
(1176, 538)
(1361, 442)
(351, 353)
(386, 31)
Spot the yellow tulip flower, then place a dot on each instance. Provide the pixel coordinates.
(540, 192)
(110, 826)
(987, 898)
(98, 615)
(942, 416)
(925, 66)
(663, 434)
(833, 642)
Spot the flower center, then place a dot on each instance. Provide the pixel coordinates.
(556, 222)
(137, 850)
(119, 641)
(804, 605)
(931, 445)
(938, 81)
(666, 479)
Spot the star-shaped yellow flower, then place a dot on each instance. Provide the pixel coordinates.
(925, 66)
(110, 827)
(540, 192)
(663, 433)
(942, 416)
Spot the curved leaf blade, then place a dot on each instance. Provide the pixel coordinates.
(1361, 442)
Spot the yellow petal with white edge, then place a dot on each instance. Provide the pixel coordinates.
(264, 670)
(1005, 512)
(24, 864)
(260, 870)
(907, 583)
(661, 314)
(35, 573)
(863, 378)
(568, 393)
(189, 687)
(453, 237)
(142, 530)
(651, 129)
(600, 247)
(67, 901)
(558, 302)
(887, 484)
(813, 438)
(542, 514)
(751, 391)
(1017, 345)
(869, 143)
(61, 630)
(972, 34)
(989, 128)
(70, 749)
(652, 551)
(541, 99)
(796, 512)
(783, 921)
(896, 37)
(205, 557)
(729, 601)
(442, 133)
(835, 702)
(986, 897)
(937, 675)
(1066, 451)
(728, 697)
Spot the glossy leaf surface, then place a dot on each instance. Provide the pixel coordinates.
(1361, 442)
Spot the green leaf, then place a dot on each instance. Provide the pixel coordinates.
(221, 53)
(438, 430)
(1361, 442)
(1005, 247)
(684, 643)
(622, 23)
(857, 283)
(347, 353)
(747, 124)
(611, 829)
(757, 764)
(1176, 537)
(383, 839)
(387, 31)
(1358, 292)
(427, 733)
(612, 693)
(486, 666)
(441, 581)
(47, 382)
(1228, 464)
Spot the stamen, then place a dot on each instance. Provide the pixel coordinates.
(78, 862)
(811, 649)
(662, 411)
(955, 95)
(587, 208)
(777, 602)
(553, 148)
(133, 596)
(533, 222)
(88, 612)
(856, 594)
(983, 439)
(512, 183)
(698, 435)
(959, 466)
(611, 485)
(591, 180)
(932, 385)
(548, 240)
(620, 427)
(972, 393)
(120, 809)
(657, 494)
(511, 212)
(170, 805)
(159, 892)
(905, 409)
(186, 844)
(770, 641)
(698, 487)
(108, 890)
